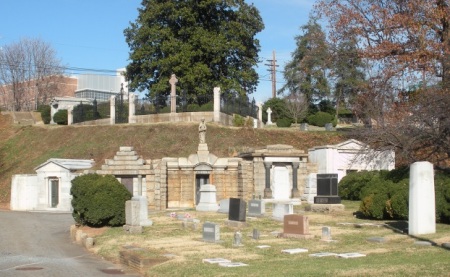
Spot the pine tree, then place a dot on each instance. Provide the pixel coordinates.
(205, 43)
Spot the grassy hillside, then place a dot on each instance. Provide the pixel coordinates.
(22, 148)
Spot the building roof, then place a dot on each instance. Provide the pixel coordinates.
(69, 164)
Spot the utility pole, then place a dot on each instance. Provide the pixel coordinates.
(272, 69)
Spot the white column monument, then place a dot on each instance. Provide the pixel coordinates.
(132, 108)
(173, 93)
(422, 213)
(70, 115)
(269, 116)
(112, 110)
(217, 104)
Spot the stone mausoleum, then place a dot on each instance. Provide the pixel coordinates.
(275, 173)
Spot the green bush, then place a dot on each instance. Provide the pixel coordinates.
(320, 119)
(284, 122)
(238, 121)
(385, 194)
(193, 108)
(351, 185)
(45, 111)
(208, 107)
(442, 191)
(98, 200)
(374, 205)
(399, 204)
(60, 117)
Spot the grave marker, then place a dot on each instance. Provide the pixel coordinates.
(211, 232)
(237, 210)
(327, 189)
(296, 226)
(256, 207)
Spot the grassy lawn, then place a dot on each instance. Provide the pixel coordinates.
(398, 255)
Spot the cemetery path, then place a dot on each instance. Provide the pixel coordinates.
(38, 244)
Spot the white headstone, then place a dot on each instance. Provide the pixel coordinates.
(422, 213)
(281, 184)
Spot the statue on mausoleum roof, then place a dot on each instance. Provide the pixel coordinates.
(202, 131)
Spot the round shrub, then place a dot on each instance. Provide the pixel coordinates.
(60, 117)
(98, 200)
(320, 119)
(284, 122)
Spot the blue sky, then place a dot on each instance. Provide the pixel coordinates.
(89, 33)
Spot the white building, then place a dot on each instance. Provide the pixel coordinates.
(348, 156)
(49, 188)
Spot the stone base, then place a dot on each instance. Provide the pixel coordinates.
(296, 236)
(236, 224)
(327, 200)
(133, 229)
(326, 208)
(255, 215)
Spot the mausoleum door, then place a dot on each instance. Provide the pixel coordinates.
(281, 186)
(54, 192)
(200, 179)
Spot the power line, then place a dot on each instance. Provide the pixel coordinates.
(272, 69)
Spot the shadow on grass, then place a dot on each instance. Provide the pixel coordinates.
(401, 227)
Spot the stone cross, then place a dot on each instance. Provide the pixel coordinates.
(173, 93)
(269, 116)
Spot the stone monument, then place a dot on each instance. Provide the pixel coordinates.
(173, 93)
(422, 203)
(207, 199)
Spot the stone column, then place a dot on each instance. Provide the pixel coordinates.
(140, 185)
(217, 104)
(422, 203)
(269, 116)
(295, 192)
(173, 93)
(267, 190)
(131, 108)
(112, 110)
(260, 107)
(70, 115)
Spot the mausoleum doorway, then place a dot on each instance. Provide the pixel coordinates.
(200, 180)
(53, 192)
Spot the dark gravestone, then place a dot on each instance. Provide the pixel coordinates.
(327, 189)
(237, 209)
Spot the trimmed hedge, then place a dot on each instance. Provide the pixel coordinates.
(98, 200)
(321, 118)
(284, 122)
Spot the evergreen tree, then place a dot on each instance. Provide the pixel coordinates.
(306, 73)
(348, 72)
(206, 43)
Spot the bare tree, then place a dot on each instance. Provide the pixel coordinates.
(29, 72)
(296, 106)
